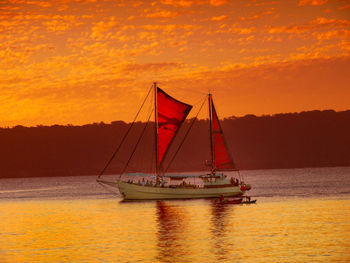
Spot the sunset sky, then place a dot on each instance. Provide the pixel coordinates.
(77, 62)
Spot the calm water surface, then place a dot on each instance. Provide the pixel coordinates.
(302, 215)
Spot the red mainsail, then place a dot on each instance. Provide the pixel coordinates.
(222, 157)
(171, 113)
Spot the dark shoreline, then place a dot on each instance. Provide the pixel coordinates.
(281, 141)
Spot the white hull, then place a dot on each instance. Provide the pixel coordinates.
(137, 192)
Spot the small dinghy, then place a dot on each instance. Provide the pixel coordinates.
(247, 200)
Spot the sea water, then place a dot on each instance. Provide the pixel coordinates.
(301, 215)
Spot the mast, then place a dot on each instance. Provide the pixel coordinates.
(156, 127)
(211, 134)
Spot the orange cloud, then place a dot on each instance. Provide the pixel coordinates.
(315, 24)
(218, 2)
(163, 14)
(268, 11)
(177, 3)
(100, 28)
(218, 18)
(341, 34)
(312, 2)
(152, 66)
(39, 3)
(242, 31)
(60, 23)
(344, 7)
(321, 21)
(266, 3)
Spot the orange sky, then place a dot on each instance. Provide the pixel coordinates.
(76, 61)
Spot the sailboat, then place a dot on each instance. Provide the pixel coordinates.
(169, 115)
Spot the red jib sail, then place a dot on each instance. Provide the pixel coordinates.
(171, 114)
(222, 157)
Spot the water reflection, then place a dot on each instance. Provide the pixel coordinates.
(219, 226)
(171, 233)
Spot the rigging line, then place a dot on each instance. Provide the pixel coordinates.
(144, 163)
(239, 176)
(108, 188)
(150, 110)
(152, 158)
(125, 135)
(137, 143)
(197, 102)
(194, 105)
(187, 132)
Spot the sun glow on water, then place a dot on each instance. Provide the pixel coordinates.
(73, 219)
